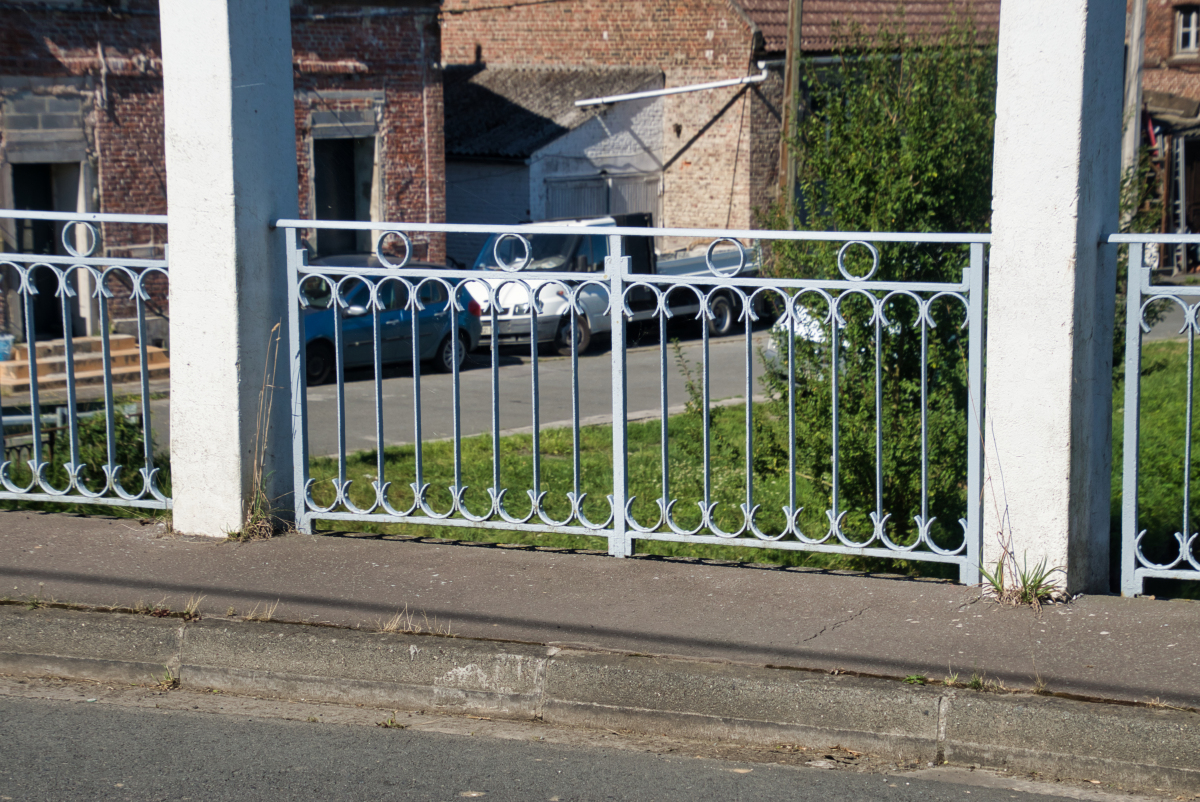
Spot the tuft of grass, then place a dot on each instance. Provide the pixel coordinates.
(1021, 585)
(977, 682)
(951, 679)
(406, 623)
(191, 610)
(390, 723)
(916, 679)
(261, 520)
(168, 681)
(267, 614)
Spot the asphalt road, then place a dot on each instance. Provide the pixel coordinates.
(81, 749)
(643, 369)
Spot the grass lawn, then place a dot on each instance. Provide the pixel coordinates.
(727, 480)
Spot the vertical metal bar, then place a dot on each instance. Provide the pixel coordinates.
(665, 444)
(620, 544)
(495, 314)
(575, 437)
(35, 404)
(834, 343)
(455, 347)
(1138, 280)
(968, 573)
(69, 369)
(791, 380)
(377, 345)
(925, 416)
(296, 256)
(418, 445)
(1187, 435)
(110, 437)
(339, 366)
(536, 396)
(879, 413)
(749, 415)
(144, 377)
(707, 412)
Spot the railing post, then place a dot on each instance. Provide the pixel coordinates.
(231, 165)
(1138, 278)
(977, 390)
(617, 266)
(296, 381)
(1051, 288)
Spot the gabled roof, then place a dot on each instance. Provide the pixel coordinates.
(819, 16)
(510, 112)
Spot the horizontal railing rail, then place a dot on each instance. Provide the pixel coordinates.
(50, 287)
(898, 355)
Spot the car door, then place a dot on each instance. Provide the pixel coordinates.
(433, 320)
(593, 297)
(395, 322)
(357, 328)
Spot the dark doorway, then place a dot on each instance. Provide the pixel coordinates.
(33, 189)
(342, 180)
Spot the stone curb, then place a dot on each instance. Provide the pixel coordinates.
(1134, 747)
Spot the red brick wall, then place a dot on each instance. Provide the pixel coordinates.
(711, 179)
(396, 53)
(1163, 71)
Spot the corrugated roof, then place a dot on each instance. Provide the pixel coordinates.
(819, 17)
(510, 112)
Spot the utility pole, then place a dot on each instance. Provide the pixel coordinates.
(787, 155)
(1131, 138)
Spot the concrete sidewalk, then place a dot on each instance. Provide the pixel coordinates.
(717, 623)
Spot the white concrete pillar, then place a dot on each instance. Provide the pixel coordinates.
(231, 171)
(1051, 286)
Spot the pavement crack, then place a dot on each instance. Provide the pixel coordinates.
(973, 601)
(836, 624)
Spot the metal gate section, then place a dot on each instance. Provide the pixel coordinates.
(1156, 551)
(49, 288)
(810, 314)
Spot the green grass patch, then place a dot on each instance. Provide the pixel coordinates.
(686, 475)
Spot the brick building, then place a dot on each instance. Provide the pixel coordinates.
(715, 153)
(1171, 118)
(81, 123)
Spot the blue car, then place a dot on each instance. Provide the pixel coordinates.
(395, 319)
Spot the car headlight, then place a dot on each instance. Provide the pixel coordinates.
(520, 309)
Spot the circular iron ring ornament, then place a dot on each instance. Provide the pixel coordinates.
(725, 272)
(842, 264)
(93, 238)
(515, 266)
(383, 260)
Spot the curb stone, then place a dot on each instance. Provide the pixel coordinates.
(1134, 747)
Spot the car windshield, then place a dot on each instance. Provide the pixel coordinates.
(550, 251)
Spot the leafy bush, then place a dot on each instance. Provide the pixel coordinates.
(897, 140)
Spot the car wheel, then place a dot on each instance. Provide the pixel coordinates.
(319, 363)
(723, 318)
(443, 360)
(562, 337)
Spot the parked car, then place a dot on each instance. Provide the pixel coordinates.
(433, 322)
(585, 253)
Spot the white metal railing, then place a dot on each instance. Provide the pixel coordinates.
(108, 278)
(1154, 551)
(529, 301)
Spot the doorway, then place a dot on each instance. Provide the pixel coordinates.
(343, 178)
(44, 187)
